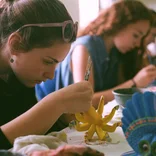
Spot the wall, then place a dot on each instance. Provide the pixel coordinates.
(88, 10)
(105, 3)
(73, 8)
(149, 3)
(82, 11)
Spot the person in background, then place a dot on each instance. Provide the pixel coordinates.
(110, 43)
(146, 58)
(35, 35)
(125, 25)
(150, 43)
(152, 34)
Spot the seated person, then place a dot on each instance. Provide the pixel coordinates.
(35, 36)
(115, 36)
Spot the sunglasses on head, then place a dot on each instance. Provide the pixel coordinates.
(69, 29)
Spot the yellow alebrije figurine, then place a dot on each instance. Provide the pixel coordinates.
(92, 121)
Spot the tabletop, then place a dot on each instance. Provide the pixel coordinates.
(119, 144)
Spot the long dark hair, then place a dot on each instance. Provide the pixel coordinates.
(16, 13)
(119, 15)
(132, 61)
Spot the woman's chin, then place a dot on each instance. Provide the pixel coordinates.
(30, 84)
(123, 51)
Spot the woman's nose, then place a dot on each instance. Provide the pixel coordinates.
(49, 75)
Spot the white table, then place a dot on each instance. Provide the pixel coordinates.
(117, 149)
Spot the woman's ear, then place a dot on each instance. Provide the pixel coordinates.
(14, 43)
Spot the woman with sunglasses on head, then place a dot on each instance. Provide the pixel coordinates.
(35, 36)
(118, 30)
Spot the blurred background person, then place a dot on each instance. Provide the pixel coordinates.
(119, 29)
(118, 34)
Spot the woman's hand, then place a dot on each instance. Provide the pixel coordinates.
(69, 150)
(76, 97)
(145, 76)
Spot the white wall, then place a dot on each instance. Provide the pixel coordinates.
(82, 11)
(88, 10)
(149, 3)
(73, 8)
(105, 3)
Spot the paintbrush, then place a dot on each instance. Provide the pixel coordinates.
(88, 69)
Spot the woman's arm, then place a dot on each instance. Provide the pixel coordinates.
(78, 68)
(37, 120)
(142, 79)
(79, 63)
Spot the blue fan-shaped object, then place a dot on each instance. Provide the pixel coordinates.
(139, 124)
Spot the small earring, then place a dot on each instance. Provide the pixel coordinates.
(11, 60)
